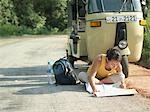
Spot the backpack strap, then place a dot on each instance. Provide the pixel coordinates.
(63, 62)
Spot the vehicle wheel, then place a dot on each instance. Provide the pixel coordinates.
(71, 59)
(124, 64)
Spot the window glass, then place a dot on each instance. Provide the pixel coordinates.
(114, 6)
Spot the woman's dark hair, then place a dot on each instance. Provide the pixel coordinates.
(113, 54)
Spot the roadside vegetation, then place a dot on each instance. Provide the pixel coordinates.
(145, 58)
(32, 17)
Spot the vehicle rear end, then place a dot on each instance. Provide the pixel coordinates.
(110, 21)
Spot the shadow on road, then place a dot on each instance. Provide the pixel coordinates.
(23, 77)
(37, 70)
(50, 89)
(33, 80)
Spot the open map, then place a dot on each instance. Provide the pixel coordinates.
(110, 90)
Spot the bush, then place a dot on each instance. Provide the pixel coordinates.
(19, 17)
(55, 12)
(7, 13)
(145, 59)
(42, 30)
(26, 14)
(6, 30)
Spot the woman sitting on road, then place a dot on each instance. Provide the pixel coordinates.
(105, 69)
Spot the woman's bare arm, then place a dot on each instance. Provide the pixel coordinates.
(93, 71)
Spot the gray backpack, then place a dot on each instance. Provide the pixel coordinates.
(64, 72)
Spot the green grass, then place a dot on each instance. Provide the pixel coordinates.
(9, 30)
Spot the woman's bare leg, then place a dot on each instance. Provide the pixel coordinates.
(83, 77)
(106, 80)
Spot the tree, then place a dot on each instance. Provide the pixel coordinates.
(26, 14)
(7, 13)
(54, 11)
(36, 15)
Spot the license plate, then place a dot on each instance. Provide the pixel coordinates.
(115, 19)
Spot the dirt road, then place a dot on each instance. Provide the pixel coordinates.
(24, 87)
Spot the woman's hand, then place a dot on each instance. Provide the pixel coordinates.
(123, 85)
(95, 91)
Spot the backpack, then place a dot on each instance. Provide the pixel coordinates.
(64, 73)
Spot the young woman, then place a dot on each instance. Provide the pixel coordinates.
(105, 69)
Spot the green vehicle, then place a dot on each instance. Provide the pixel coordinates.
(96, 25)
